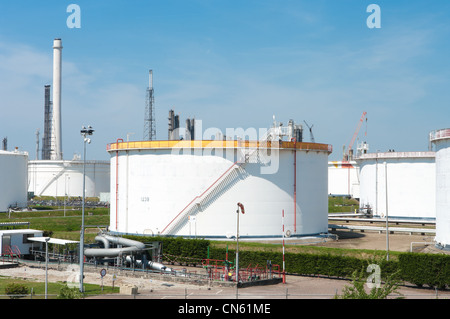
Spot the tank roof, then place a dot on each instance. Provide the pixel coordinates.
(440, 134)
(395, 155)
(169, 144)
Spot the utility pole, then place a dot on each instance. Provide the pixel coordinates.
(387, 214)
(237, 241)
(84, 132)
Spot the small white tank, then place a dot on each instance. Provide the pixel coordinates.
(441, 140)
(400, 183)
(13, 179)
(65, 178)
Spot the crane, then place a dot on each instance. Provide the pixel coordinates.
(347, 153)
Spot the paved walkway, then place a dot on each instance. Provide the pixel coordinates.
(296, 287)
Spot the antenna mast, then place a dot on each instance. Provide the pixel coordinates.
(149, 121)
(310, 132)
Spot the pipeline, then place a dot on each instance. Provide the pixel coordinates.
(150, 264)
(108, 252)
(124, 241)
(133, 246)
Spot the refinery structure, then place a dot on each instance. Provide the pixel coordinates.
(193, 185)
(52, 175)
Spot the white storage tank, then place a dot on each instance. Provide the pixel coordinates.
(441, 140)
(65, 178)
(410, 184)
(13, 180)
(192, 188)
(343, 178)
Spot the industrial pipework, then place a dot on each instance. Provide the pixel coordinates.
(132, 247)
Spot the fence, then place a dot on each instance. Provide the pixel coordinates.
(193, 294)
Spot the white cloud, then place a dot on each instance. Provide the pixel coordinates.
(85, 99)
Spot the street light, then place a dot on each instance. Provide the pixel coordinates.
(46, 266)
(84, 132)
(237, 241)
(387, 213)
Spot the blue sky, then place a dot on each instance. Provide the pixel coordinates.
(230, 64)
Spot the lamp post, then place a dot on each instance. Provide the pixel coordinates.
(84, 132)
(65, 192)
(46, 266)
(237, 241)
(387, 213)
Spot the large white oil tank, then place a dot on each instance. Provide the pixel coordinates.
(399, 183)
(343, 178)
(13, 179)
(192, 188)
(65, 178)
(441, 140)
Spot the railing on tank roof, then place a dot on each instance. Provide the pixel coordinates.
(439, 134)
(217, 144)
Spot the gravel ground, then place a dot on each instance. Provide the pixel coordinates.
(298, 287)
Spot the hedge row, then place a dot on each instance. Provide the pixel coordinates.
(432, 270)
(299, 263)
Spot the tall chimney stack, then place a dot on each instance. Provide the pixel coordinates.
(57, 52)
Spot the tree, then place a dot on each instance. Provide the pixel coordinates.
(69, 293)
(15, 291)
(358, 290)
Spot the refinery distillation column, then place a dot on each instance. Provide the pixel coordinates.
(57, 52)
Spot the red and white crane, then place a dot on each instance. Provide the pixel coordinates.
(347, 152)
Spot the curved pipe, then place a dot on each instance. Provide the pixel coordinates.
(103, 240)
(133, 246)
(108, 252)
(124, 241)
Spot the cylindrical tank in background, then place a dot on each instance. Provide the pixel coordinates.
(402, 183)
(13, 179)
(65, 178)
(441, 141)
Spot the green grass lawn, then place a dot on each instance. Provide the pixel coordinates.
(37, 289)
(342, 204)
(60, 226)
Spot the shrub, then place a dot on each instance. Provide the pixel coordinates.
(16, 290)
(69, 293)
(357, 290)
